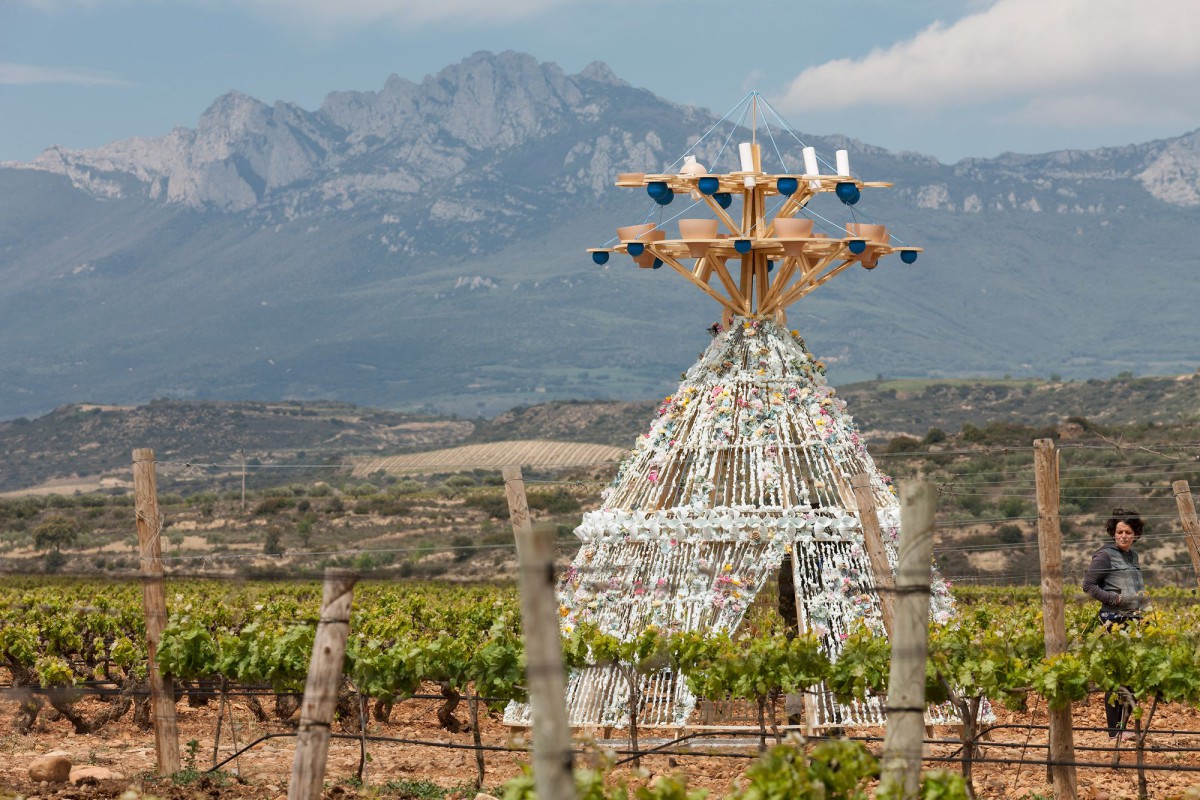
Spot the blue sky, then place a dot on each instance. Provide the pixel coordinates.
(951, 79)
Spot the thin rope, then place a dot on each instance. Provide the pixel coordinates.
(715, 125)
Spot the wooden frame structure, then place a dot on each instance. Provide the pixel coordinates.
(805, 263)
(752, 458)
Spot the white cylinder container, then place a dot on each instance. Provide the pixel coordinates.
(843, 163)
(810, 161)
(746, 155)
(811, 167)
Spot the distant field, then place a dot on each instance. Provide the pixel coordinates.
(920, 384)
(531, 453)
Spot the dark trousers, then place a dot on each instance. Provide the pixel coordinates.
(1114, 707)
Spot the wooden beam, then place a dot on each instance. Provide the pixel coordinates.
(731, 287)
(811, 281)
(864, 499)
(720, 212)
(1191, 527)
(782, 276)
(760, 277)
(552, 756)
(322, 685)
(154, 602)
(746, 284)
(901, 764)
(1062, 743)
(687, 273)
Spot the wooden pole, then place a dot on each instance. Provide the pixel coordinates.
(154, 601)
(1062, 741)
(864, 498)
(901, 764)
(553, 772)
(1191, 527)
(321, 687)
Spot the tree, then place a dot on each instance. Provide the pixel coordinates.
(273, 542)
(55, 533)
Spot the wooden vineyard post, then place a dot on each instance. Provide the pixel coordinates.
(1062, 742)
(552, 759)
(860, 485)
(901, 765)
(154, 601)
(1191, 527)
(321, 687)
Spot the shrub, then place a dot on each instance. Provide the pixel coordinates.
(273, 505)
(1010, 534)
(559, 501)
(493, 504)
(54, 561)
(902, 444)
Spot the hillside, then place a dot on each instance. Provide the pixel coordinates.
(421, 247)
(300, 514)
(82, 445)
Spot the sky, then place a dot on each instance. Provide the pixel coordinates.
(948, 78)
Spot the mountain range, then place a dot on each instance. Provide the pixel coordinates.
(421, 247)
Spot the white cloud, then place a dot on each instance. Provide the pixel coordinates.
(29, 74)
(1059, 62)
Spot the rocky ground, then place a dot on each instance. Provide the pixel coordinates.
(107, 764)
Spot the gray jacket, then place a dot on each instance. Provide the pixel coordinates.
(1115, 579)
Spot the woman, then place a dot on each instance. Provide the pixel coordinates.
(1115, 579)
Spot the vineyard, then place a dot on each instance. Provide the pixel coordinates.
(536, 454)
(445, 660)
(430, 667)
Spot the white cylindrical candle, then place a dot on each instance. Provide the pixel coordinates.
(843, 163)
(810, 161)
(746, 154)
(811, 167)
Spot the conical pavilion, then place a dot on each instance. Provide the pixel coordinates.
(751, 459)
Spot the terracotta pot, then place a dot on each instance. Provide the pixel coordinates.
(875, 234)
(632, 232)
(646, 259)
(791, 228)
(690, 229)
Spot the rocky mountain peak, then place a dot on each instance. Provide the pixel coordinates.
(233, 113)
(1173, 172)
(600, 72)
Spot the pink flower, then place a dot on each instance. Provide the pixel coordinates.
(653, 476)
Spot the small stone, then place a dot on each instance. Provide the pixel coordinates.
(482, 796)
(50, 768)
(93, 775)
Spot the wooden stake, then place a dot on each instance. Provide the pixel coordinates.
(321, 688)
(1191, 527)
(1062, 742)
(864, 498)
(901, 764)
(552, 759)
(154, 601)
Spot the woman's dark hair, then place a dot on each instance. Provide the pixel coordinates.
(1129, 517)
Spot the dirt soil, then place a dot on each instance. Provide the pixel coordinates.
(393, 768)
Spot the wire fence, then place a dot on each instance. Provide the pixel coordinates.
(301, 563)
